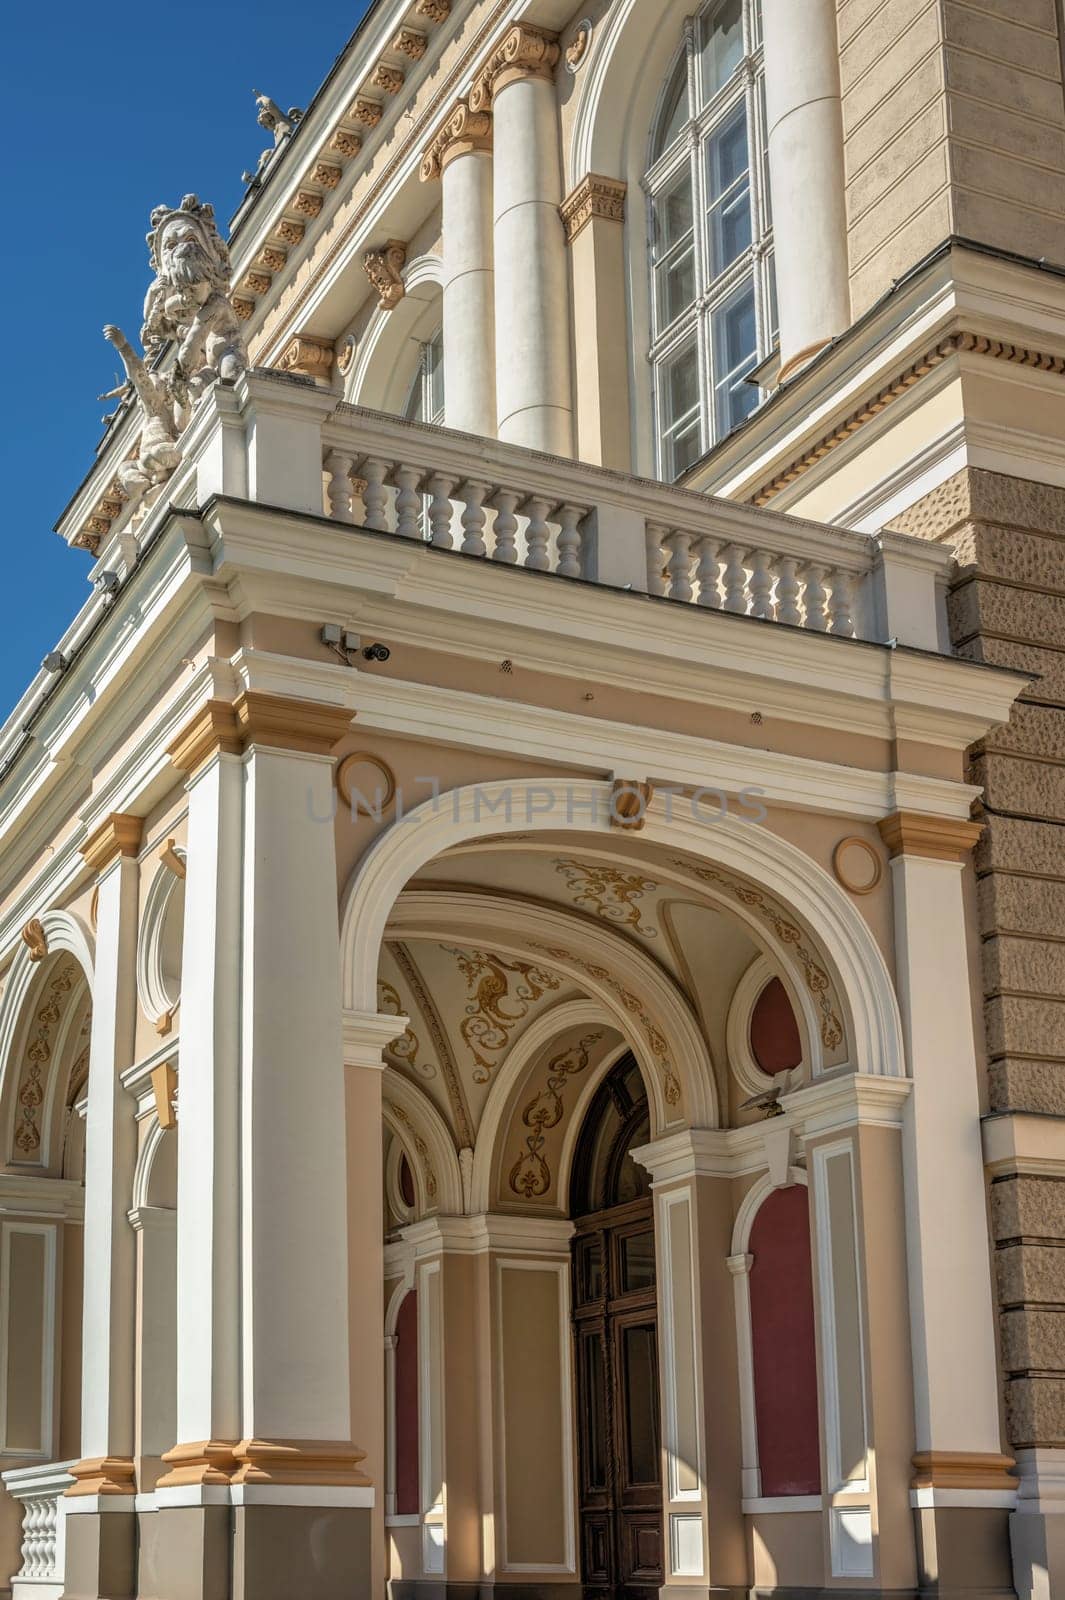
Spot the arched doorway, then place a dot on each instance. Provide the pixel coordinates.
(615, 1324)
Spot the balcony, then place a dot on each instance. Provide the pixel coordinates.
(280, 441)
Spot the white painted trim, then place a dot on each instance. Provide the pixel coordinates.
(822, 1154)
(670, 1355)
(430, 1125)
(432, 1398)
(46, 1231)
(1002, 1499)
(738, 1030)
(561, 1271)
(156, 996)
(300, 1494)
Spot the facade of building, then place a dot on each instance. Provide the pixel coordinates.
(532, 1037)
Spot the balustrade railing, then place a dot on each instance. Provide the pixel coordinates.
(516, 507)
(39, 1491)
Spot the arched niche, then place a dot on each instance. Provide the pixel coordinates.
(389, 351)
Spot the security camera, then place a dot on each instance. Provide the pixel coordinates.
(55, 661)
(376, 652)
(107, 583)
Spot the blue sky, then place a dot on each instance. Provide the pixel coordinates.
(109, 111)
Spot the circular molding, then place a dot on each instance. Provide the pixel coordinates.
(397, 1154)
(345, 785)
(847, 869)
(577, 49)
(346, 355)
(158, 989)
(741, 1059)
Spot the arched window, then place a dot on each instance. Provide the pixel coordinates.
(713, 302)
(425, 403)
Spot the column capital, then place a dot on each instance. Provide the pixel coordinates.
(594, 196)
(119, 835)
(255, 717)
(463, 132)
(962, 1469)
(365, 1035)
(526, 52)
(102, 1475)
(913, 833)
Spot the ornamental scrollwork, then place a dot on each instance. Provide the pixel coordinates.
(530, 1175)
(608, 892)
(494, 1009)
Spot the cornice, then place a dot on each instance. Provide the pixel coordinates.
(911, 833)
(119, 835)
(1017, 1144)
(280, 722)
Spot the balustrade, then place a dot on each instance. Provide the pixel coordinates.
(39, 1491)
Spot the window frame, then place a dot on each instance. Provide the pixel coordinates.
(421, 388)
(690, 150)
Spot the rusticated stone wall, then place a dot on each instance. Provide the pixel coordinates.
(1008, 608)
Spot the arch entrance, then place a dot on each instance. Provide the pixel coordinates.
(615, 1343)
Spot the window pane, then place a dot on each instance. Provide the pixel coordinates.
(434, 377)
(722, 45)
(673, 213)
(735, 355)
(674, 110)
(676, 287)
(640, 1402)
(682, 385)
(728, 183)
(637, 1262)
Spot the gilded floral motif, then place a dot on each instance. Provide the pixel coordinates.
(609, 892)
(38, 1055)
(817, 979)
(420, 1146)
(405, 1046)
(495, 1008)
(530, 1175)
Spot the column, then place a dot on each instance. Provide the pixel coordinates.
(100, 1538)
(187, 1537)
(962, 1483)
(301, 1504)
(364, 1040)
(593, 216)
(534, 383)
(805, 127)
(704, 1537)
(461, 157)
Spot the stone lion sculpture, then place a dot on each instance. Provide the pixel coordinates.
(187, 306)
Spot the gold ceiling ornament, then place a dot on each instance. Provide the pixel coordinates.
(789, 933)
(633, 1005)
(308, 355)
(31, 1094)
(609, 892)
(628, 803)
(405, 1046)
(35, 939)
(384, 268)
(420, 1146)
(438, 1037)
(488, 1023)
(530, 1175)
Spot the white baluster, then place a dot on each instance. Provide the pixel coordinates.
(762, 585)
(505, 502)
(473, 517)
(655, 536)
(788, 591)
(707, 551)
(408, 502)
(338, 489)
(735, 580)
(537, 534)
(814, 597)
(839, 609)
(680, 565)
(375, 496)
(569, 541)
(441, 511)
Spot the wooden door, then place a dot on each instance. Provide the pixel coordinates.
(619, 1436)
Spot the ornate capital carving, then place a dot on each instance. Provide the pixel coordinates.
(526, 52)
(410, 43)
(290, 232)
(912, 833)
(345, 143)
(120, 835)
(326, 174)
(367, 113)
(308, 203)
(462, 132)
(384, 268)
(271, 258)
(308, 355)
(435, 10)
(242, 307)
(256, 282)
(35, 939)
(594, 196)
(390, 79)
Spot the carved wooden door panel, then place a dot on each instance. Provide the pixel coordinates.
(619, 1448)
